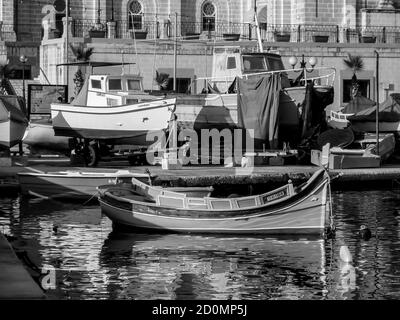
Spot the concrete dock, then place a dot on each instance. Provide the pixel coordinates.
(15, 281)
(388, 175)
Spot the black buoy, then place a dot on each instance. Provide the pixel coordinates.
(365, 233)
(55, 229)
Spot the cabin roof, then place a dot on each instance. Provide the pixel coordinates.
(94, 64)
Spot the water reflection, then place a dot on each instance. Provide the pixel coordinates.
(94, 262)
(175, 266)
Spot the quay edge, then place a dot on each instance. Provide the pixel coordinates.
(387, 175)
(15, 281)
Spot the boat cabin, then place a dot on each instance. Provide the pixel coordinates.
(107, 90)
(229, 62)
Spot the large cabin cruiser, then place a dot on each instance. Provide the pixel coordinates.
(215, 102)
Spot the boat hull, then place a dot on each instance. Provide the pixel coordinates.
(304, 215)
(370, 126)
(11, 133)
(131, 124)
(68, 184)
(40, 136)
(83, 185)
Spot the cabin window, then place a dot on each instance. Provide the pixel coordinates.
(231, 63)
(114, 84)
(96, 84)
(275, 64)
(254, 63)
(135, 16)
(208, 13)
(134, 84)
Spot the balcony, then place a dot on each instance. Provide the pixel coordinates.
(188, 30)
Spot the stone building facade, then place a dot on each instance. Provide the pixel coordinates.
(36, 28)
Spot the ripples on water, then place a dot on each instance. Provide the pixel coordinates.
(93, 262)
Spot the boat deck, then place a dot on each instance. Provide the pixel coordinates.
(210, 175)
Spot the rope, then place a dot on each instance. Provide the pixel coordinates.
(331, 215)
(90, 199)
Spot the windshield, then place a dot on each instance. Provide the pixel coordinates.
(254, 63)
(259, 63)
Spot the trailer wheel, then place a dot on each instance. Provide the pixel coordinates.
(91, 155)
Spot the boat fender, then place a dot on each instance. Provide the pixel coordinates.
(365, 233)
(345, 254)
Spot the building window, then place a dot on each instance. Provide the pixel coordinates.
(208, 13)
(135, 15)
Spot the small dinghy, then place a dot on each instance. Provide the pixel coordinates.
(286, 210)
(73, 184)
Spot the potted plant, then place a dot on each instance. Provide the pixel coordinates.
(320, 38)
(99, 30)
(81, 54)
(355, 64)
(138, 34)
(367, 39)
(231, 36)
(281, 36)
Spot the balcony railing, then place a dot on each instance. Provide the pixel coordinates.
(151, 29)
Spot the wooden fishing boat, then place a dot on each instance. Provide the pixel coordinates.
(77, 184)
(286, 210)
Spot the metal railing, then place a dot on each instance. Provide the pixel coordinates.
(320, 76)
(165, 29)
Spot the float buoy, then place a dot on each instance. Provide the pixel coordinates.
(345, 254)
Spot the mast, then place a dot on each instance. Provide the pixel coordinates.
(260, 47)
(377, 103)
(175, 49)
(67, 38)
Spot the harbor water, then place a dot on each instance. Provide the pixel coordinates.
(91, 261)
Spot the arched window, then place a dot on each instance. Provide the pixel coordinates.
(208, 13)
(135, 15)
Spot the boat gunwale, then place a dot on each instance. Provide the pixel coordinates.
(65, 107)
(293, 200)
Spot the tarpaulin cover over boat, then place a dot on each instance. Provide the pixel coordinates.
(359, 103)
(389, 111)
(313, 110)
(258, 105)
(14, 106)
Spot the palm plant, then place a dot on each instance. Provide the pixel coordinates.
(355, 63)
(81, 54)
(162, 80)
